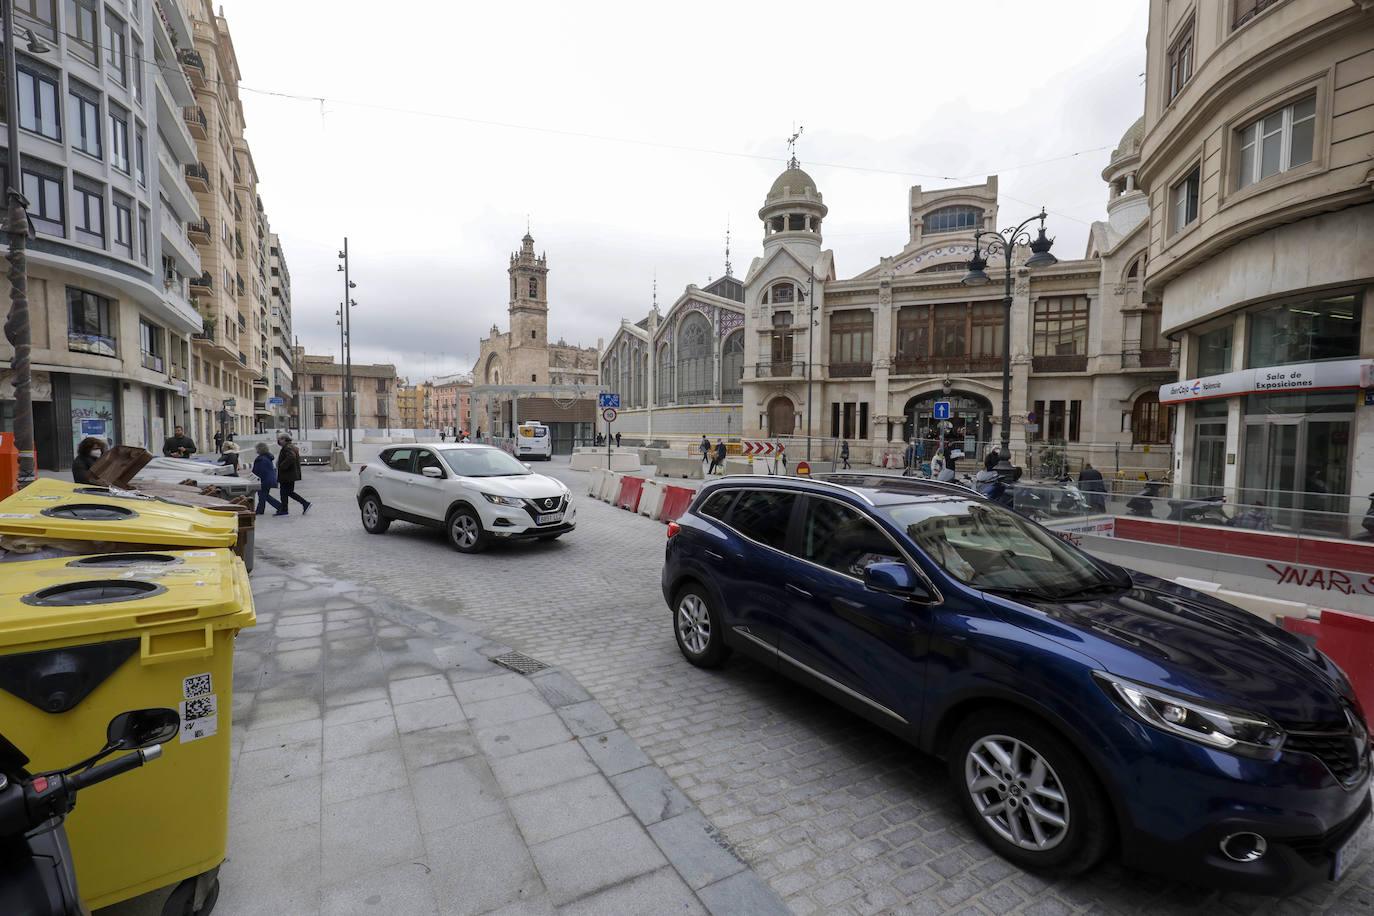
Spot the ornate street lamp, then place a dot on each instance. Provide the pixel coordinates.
(1004, 242)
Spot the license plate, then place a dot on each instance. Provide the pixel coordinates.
(1350, 851)
(550, 518)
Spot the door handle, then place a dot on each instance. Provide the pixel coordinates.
(798, 590)
(712, 554)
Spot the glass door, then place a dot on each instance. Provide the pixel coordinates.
(1326, 474)
(1270, 471)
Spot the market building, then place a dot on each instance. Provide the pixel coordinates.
(1256, 159)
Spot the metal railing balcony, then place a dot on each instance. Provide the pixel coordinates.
(194, 66)
(943, 365)
(851, 370)
(793, 369)
(1071, 363)
(200, 230)
(1133, 357)
(198, 177)
(202, 283)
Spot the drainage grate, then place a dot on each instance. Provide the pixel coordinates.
(520, 664)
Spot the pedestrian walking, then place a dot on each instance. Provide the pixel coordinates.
(443, 433)
(219, 441)
(718, 457)
(705, 448)
(617, 440)
(1091, 484)
(87, 453)
(844, 453)
(288, 473)
(179, 445)
(267, 478)
(910, 459)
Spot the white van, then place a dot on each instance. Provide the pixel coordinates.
(533, 440)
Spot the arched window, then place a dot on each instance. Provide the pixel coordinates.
(694, 369)
(534, 287)
(952, 219)
(664, 394)
(940, 268)
(1151, 422)
(732, 368)
(782, 292)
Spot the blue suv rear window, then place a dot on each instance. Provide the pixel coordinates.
(763, 515)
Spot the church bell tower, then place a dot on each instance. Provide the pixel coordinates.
(529, 297)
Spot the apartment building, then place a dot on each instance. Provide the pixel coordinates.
(1256, 157)
(452, 402)
(231, 360)
(321, 382)
(282, 360)
(414, 404)
(104, 149)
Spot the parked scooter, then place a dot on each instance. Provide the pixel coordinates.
(1207, 511)
(1143, 503)
(1057, 500)
(37, 875)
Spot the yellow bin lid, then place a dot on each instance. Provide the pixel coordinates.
(44, 603)
(55, 509)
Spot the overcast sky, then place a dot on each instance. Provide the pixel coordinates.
(629, 134)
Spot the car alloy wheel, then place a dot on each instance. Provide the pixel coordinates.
(465, 531)
(1016, 792)
(374, 522)
(698, 629)
(1029, 794)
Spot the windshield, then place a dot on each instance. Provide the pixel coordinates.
(483, 462)
(994, 549)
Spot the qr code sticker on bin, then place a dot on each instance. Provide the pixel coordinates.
(197, 685)
(199, 718)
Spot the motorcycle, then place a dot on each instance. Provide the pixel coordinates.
(1060, 499)
(1208, 510)
(37, 875)
(1143, 503)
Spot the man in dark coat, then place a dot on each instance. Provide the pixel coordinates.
(267, 478)
(1090, 483)
(991, 459)
(288, 472)
(844, 453)
(179, 445)
(718, 457)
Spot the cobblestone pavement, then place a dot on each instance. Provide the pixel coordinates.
(835, 814)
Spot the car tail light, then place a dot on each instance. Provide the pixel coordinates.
(673, 528)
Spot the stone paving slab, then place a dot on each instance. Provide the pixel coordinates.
(433, 782)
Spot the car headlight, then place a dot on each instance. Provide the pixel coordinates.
(503, 500)
(1245, 733)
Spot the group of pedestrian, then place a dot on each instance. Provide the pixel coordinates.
(282, 475)
(712, 456)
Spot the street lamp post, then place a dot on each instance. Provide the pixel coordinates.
(16, 222)
(1004, 242)
(347, 325)
(810, 351)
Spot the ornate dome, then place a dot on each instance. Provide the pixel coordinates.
(1130, 140)
(792, 183)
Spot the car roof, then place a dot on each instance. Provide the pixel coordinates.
(444, 446)
(874, 489)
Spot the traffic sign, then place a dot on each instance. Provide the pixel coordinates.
(803, 469)
(608, 414)
(606, 399)
(275, 401)
(759, 447)
(942, 410)
(1030, 417)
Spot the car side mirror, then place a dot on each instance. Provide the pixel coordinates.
(896, 579)
(140, 728)
(431, 471)
(527, 465)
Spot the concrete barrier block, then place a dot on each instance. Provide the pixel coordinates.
(586, 460)
(738, 466)
(624, 461)
(678, 466)
(594, 481)
(610, 487)
(651, 500)
(1271, 609)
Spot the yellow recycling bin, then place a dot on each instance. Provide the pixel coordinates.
(57, 513)
(83, 639)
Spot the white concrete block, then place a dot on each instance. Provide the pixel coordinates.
(624, 461)
(679, 466)
(651, 500)
(610, 487)
(594, 477)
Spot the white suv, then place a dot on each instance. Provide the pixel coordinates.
(475, 492)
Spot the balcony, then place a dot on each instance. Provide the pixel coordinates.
(152, 362)
(198, 178)
(199, 232)
(851, 370)
(241, 292)
(202, 285)
(193, 65)
(1132, 357)
(780, 370)
(207, 332)
(940, 365)
(178, 244)
(261, 382)
(243, 358)
(243, 323)
(195, 122)
(1068, 363)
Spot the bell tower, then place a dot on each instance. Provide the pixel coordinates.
(529, 297)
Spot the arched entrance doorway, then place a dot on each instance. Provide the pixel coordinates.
(967, 411)
(782, 417)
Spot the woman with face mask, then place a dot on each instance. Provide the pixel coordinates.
(87, 453)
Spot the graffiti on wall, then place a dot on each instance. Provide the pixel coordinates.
(1328, 580)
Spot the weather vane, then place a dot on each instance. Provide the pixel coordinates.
(728, 270)
(792, 148)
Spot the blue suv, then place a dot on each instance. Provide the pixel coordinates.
(1080, 706)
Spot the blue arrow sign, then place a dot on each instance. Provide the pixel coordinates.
(608, 400)
(942, 410)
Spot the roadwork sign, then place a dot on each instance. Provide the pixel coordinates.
(759, 447)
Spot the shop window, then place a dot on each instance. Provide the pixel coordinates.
(849, 419)
(1315, 329)
(1060, 334)
(851, 343)
(1058, 421)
